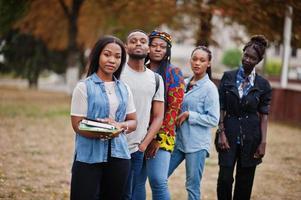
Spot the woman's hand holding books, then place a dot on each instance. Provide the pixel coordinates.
(105, 128)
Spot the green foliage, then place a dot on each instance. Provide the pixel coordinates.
(27, 57)
(32, 110)
(16, 109)
(10, 12)
(232, 58)
(272, 67)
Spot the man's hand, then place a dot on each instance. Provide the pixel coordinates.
(142, 147)
(152, 149)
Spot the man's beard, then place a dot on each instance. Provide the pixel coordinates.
(137, 56)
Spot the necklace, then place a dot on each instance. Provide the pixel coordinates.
(109, 88)
(108, 91)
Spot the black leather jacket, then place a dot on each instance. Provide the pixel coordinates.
(242, 118)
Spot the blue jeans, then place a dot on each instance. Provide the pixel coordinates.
(156, 169)
(136, 170)
(194, 170)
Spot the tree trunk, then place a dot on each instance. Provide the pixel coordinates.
(73, 52)
(204, 32)
(287, 33)
(33, 83)
(33, 76)
(72, 71)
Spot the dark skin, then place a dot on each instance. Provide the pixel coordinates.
(199, 62)
(130, 124)
(249, 60)
(157, 53)
(109, 62)
(149, 145)
(137, 45)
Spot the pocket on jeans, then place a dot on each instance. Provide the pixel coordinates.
(140, 152)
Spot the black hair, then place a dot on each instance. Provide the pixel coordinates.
(206, 49)
(133, 31)
(165, 62)
(259, 44)
(98, 48)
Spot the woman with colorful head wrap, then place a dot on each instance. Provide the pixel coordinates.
(159, 61)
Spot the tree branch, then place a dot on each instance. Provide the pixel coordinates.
(65, 8)
(76, 5)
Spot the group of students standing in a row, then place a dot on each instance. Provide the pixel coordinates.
(166, 119)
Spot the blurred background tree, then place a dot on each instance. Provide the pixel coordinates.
(258, 17)
(232, 58)
(273, 67)
(263, 17)
(77, 24)
(25, 55)
(199, 13)
(69, 27)
(10, 12)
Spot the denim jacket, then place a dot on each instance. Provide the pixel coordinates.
(202, 102)
(95, 150)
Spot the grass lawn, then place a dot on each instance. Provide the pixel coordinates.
(37, 144)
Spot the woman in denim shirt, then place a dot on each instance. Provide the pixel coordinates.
(101, 165)
(200, 112)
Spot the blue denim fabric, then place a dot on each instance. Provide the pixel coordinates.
(95, 150)
(202, 102)
(156, 169)
(136, 169)
(194, 164)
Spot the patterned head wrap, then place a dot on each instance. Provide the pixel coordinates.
(162, 35)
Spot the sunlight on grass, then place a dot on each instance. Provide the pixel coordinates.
(10, 110)
(13, 110)
(36, 158)
(58, 112)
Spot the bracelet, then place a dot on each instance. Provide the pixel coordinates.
(221, 126)
(221, 129)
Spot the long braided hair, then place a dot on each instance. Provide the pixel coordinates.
(165, 62)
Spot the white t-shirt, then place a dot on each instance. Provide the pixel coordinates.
(143, 87)
(79, 103)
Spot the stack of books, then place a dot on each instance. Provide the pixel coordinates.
(96, 126)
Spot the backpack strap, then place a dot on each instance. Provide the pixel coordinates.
(157, 78)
